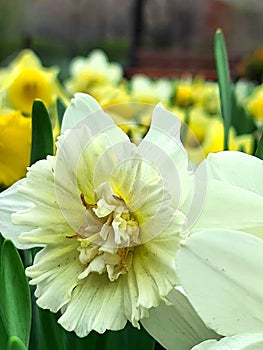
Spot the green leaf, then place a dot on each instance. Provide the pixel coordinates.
(42, 137)
(1, 243)
(129, 338)
(247, 341)
(224, 83)
(52, 335)
(60, 110)
(177, 324)
(221, 273)
(15, 303)
(14, 343)
(259, 150)
(3, 333)
(242, 121)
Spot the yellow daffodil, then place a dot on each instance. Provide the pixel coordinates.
(254, 104)
(87, 74)
(110, 215)
(183, 94)
(213, 141)
(25, 79)
(15, 143)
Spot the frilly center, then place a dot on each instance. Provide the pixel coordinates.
(108, 236)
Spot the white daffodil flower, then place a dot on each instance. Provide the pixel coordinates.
(95, 70)
(111, 216)
(107, 213)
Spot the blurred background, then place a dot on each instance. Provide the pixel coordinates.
(157, 37)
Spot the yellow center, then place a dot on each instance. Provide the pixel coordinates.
(29, 85)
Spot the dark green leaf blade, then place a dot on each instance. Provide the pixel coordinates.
(15, 303)
(3, 333)
(128, 338)
(42, 137)
(242, 121)
(223, 82)
(60, 110)
(14, 343)
(52, 335)
(259, 150)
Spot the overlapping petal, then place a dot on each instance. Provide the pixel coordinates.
(221, 273)
(247, 341)
(234, 197)
(12, 201)
(177, 325)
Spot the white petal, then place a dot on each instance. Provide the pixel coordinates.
(154, 266)
(55, 271)
(230, 207)
(12, 201)
(84, 163)
(221, 273)
(177, 324)
(162, 147)
(39, 188)
(82, 105)
(206, 345)
(248, 341)
(115, 73)
(85, 110)
(234, 198)
(96, 304)
(238, 169)
(97, 59)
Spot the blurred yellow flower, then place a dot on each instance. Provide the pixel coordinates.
(25, 79)
(213, 141)
(146, 90)
(208, 98)
(107, 95)
(15, 144)
(184, 94)
(95, 70)
(197, 92)
(254, 104)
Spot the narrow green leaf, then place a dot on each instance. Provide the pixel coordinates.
(3, 333)
(60, 110)
(15, 343)
(259, 150)
(242, 121)
(42, 137)
(224, 82)
(15, 304)
(1, 243)
(128, 338)
(52, 335)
